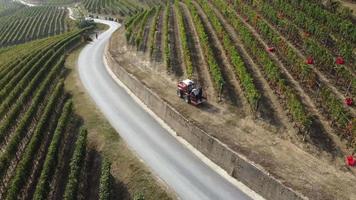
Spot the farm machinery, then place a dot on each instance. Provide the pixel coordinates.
(190, 92)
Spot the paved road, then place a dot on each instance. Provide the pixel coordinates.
(175, 164)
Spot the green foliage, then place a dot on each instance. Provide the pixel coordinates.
(105, 181)
(166, 42)
(153, 33)
(23, 169)
(335, 108)
(214, 68)
(76, 165)
(139, 196)
(252, 94)
(296, 64)
(324, 42)
(86, 23)
(114, 7)
(51, 160)
(138, 36)
(34, 91)
(7, 7)
(132, 23)
(271, 71)
(333, 22)
(31, 23)
(183, 36)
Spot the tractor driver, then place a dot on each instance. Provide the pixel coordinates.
(198, 93)
(190, 87)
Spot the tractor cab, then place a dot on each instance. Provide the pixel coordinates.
(190, 92)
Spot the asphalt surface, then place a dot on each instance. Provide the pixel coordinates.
(169, 159)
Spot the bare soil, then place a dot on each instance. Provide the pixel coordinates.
(157, 53)
(92, 173)
(146, 31)
(351, 5)
(316, 173)
(175, 54)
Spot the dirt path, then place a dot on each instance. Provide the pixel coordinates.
(328, 141)
(157, 54)
(178, 42)
(146, 31)
(176, 57)
(232, 86)
(91, 176)
(201, 70)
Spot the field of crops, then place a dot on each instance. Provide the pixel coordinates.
(24, 24)
(117, 7)
(121, 7)
(53, 2)
(294, 55)
(8, 6)
(43, 148)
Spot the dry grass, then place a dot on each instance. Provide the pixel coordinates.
(351, 5)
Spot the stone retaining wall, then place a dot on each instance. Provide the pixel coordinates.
(252, 175)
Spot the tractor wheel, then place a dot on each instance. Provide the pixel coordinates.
(187, 99)
(179, 93)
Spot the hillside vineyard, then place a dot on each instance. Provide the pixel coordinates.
(26, 24)
(311, 72)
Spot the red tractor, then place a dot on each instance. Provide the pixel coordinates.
(191, 93)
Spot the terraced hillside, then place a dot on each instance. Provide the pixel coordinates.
(24, 24)
(117, 7)
(53, 2)
(288, 64)
(43, 150)
(8, 6)
(272, 42)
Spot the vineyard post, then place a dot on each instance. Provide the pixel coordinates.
(257, 105)
(220, 91)
(348, 88)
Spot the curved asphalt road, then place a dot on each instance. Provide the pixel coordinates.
(182, 170)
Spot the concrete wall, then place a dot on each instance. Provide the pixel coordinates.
(254, 176)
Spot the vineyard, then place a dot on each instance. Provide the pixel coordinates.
(117, 7)
(285, 63)
(121, 7)
(53, 2)
(311, 73)
(43, 150)
(8, 7)
(279, 76)
(29, 23)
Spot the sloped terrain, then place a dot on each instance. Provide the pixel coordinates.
(282, 70)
